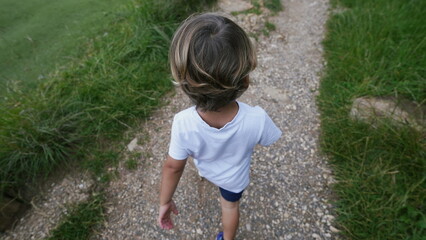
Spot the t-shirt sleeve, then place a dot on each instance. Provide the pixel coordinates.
(271, 133)
(176, 150)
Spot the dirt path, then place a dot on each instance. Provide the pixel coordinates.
(288, 195)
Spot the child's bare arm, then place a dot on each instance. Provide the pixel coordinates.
(172, 171)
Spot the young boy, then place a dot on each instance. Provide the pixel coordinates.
(211, 58)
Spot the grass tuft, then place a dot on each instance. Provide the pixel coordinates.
(273, 5)
(81, 220)
(270, 26)
(131, 164)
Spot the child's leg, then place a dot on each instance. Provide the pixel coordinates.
(230, 218)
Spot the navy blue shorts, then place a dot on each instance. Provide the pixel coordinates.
(230, 196)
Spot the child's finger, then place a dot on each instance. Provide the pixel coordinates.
(174, 210)
(166, 224)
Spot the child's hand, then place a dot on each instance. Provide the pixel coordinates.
(164, 218)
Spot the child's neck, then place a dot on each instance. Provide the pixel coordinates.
(221, 117)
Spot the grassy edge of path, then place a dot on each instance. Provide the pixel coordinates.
(375, 48)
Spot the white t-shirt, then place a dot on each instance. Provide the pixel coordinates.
(222, 155)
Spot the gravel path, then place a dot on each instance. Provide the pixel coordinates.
(289, 192)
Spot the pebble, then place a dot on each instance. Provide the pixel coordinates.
(333, 229)
(316, 236)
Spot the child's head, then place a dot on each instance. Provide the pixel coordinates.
(211, 58)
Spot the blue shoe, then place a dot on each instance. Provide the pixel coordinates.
(219, 236)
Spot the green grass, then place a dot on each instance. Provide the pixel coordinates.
(376, 48)
(100, 158)
(273, 5)
(81, 220)
(92, 100)
(131, 164)
(37, 36)
(268, 28)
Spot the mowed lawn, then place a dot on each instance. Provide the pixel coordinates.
(38, 35)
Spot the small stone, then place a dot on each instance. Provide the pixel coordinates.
(132, 145)
(316, 236)
(199, 231)
(401, 112)
(333, 229)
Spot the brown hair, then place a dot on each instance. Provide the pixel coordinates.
(210, 58)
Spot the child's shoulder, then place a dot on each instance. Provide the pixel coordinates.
(186, 113)
(255, 111)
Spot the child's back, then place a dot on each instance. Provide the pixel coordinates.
(222, 155)
(211, 58)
